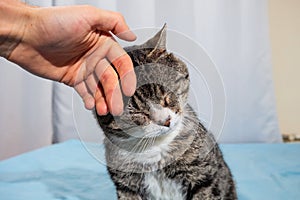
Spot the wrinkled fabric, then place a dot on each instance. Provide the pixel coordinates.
(76, 170)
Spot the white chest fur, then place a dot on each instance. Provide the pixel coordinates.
(161, 188)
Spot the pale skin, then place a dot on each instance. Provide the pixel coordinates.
(73, 45)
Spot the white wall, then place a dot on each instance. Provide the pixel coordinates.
(25, 111)
(284, 19)
(235, 33)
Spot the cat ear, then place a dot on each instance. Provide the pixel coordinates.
(158, 42)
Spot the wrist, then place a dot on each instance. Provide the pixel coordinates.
(15, 16)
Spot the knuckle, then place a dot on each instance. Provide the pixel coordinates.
(109, 75)
(118, 62)
(110, 92)
(88, 7)
(123, 63)
(119, 16)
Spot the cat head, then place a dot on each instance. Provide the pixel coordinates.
(156, 108)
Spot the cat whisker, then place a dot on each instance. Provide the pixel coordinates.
(142, 143)
(147, 143)
(132, 150)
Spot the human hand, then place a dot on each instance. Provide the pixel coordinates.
(74, 45)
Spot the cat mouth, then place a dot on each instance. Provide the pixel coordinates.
(151, 135)
(161, 130)
(153, 129)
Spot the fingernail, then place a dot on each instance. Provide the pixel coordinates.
(128, 35)
(102, 109)
(89, 103)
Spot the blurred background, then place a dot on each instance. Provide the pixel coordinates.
(254, 43)
(284, 18)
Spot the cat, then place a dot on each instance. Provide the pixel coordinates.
(158, 149)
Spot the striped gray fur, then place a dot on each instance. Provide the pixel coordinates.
(158, 149)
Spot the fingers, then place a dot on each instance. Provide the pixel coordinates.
(107, 95)
(105, 20)
(124, 67)
(109, 86)
(90, 100)
(87, 98)
(116, 55)
(112, 91)
(102, 89)
(101, 106)
(91, 83)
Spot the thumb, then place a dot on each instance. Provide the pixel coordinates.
(114, 22)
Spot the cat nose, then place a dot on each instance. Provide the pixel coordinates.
(167, 123)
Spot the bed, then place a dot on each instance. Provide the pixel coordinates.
(69, 171)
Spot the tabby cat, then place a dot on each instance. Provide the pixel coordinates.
(158, 149)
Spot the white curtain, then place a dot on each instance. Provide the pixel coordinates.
(25, 109)
(235, 35)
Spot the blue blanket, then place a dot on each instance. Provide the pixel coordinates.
(68, 171)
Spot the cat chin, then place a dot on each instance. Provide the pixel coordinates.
(159, 148)
(160, 134)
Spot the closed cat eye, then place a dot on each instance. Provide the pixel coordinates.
(167, 101)
(170, 100)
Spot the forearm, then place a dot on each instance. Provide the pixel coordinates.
(14, 17)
